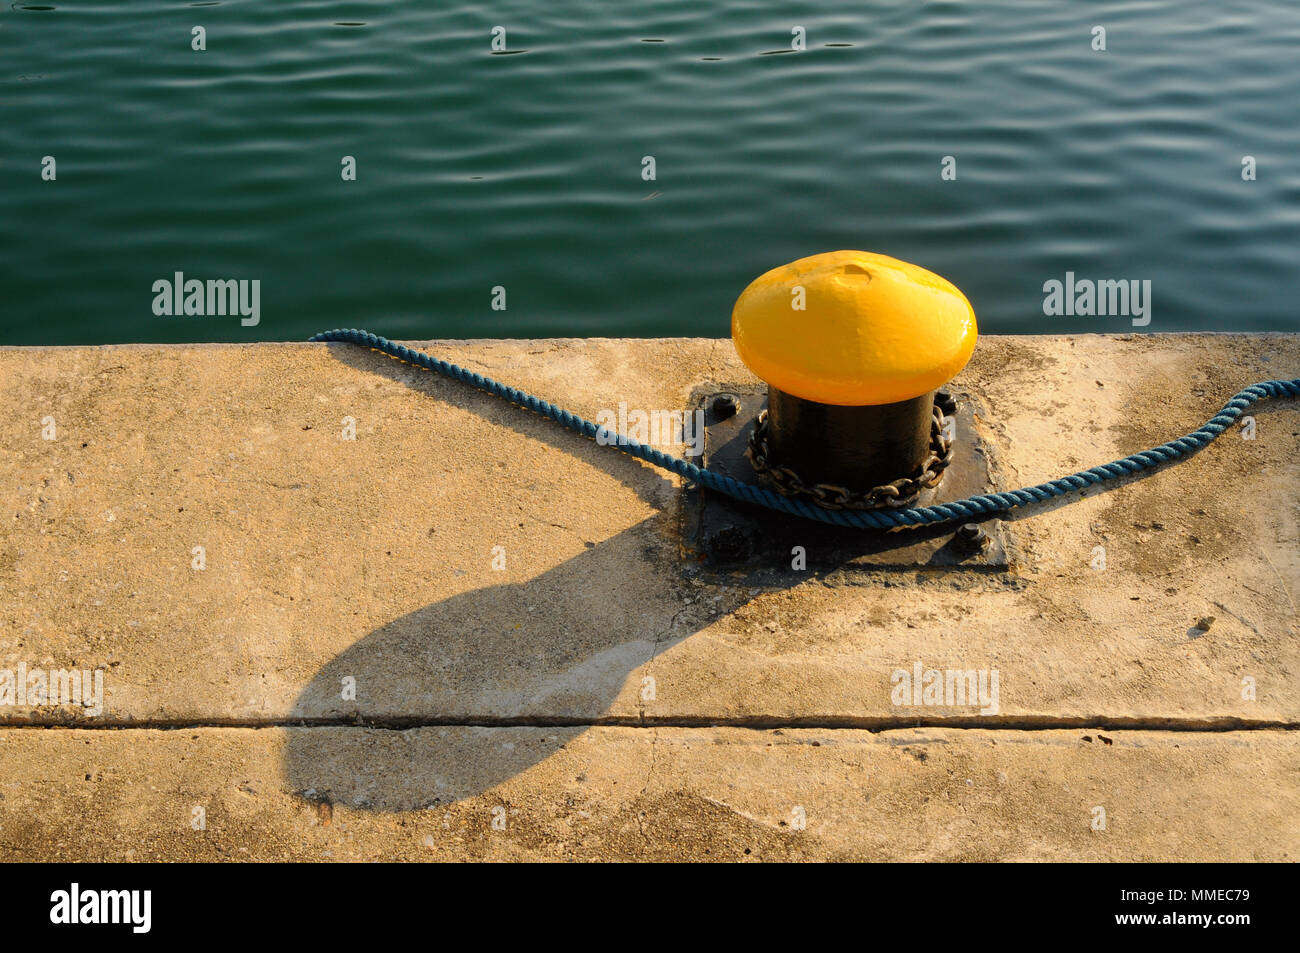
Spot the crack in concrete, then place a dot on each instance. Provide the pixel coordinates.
(1281, 580)
(640, 817)
(1223, 723)
(654, 648)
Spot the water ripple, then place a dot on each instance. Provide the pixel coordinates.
(525, 164)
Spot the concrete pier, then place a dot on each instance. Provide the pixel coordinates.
(346, 609)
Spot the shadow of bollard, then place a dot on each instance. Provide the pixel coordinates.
(555, 651)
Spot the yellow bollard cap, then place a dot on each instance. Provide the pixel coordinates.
(874, 330)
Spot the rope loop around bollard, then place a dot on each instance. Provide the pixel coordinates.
(965, 510)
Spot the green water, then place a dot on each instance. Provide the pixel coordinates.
(525, 171)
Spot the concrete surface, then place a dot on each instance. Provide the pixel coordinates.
(613, 793)
(330, 561)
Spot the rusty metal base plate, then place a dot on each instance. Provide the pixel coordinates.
(737, 538)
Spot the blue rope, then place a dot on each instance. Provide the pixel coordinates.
(969, 508)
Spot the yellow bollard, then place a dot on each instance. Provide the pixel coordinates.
(853, 346)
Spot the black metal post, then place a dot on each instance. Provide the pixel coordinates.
(856, 447)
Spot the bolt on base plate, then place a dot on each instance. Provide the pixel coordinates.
(732, 537)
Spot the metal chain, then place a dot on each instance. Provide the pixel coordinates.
(904, 491)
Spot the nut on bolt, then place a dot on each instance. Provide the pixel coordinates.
(729, 544)
(724, 406)
(971, 538)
